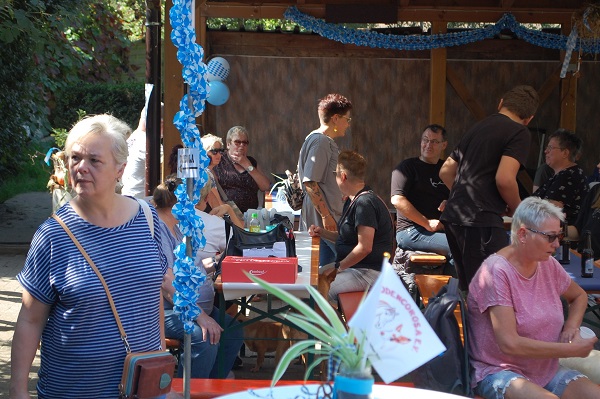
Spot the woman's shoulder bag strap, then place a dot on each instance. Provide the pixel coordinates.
(147, 214)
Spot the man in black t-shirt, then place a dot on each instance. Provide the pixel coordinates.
(481, 175)
(419, 195)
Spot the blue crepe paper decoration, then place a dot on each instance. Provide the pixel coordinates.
(189, 278)
(422, 42)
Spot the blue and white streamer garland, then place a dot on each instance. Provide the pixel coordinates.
(570, 46)
(420, 42)
(189, 278)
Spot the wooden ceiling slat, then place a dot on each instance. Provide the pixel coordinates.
(308, 45)
(554, 13)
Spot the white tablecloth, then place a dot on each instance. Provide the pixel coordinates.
(311, 392)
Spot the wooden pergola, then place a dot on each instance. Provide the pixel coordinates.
(438, 12)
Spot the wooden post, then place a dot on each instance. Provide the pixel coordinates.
(201, 37)
(173, 86)
(437, 88)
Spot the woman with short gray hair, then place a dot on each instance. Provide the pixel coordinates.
(516, 321)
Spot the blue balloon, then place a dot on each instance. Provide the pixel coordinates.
(218, 94)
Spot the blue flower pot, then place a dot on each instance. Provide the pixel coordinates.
(353, 387)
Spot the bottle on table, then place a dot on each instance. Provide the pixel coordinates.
(587, 256)
(254, 225)
(563, 253)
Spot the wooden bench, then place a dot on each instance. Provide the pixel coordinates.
(348, 304)
(429, 285)
(348, 301)
(202, 388)
(173, 346)
(428, 259)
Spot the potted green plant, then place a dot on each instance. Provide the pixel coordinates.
(331, 342)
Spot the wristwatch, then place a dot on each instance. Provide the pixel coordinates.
(250, 168)
(336, 264)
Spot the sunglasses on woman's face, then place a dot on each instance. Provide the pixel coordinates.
(216, 151)
(549, 236)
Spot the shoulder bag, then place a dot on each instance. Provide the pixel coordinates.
(145, 374)
(231, 203)
(242, 239)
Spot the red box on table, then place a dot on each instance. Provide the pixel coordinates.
(272, 270)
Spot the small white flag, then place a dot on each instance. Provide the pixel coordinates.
(398, 337)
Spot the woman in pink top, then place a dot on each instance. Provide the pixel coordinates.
(518, 331)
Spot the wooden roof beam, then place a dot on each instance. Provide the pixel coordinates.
(407, 13)
(505, 4)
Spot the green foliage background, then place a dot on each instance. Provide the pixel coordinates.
(123, 100)
(50, 46)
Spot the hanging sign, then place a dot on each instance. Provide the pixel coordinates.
(188, 163)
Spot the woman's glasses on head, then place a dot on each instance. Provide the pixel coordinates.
(550, 237)
(216, 151)
(240, 142)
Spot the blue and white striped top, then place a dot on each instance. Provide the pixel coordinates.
(82, 353)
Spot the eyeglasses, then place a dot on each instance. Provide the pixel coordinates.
(347, 118)
(240, 142)
(549, 237)
(551, 147)
(337, 173)
(425, 140)
(216, 151)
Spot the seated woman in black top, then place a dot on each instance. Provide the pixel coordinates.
(588, 219)
(365, 230)
(567, 188)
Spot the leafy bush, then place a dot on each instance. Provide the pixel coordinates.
(47, 45)
(123, 100)
(21, 118)
(33, 173)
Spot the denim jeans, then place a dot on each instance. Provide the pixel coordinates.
(419, 239)
(494, 385)
(327, 252)
(203, 354)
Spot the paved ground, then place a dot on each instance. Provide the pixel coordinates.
(10, 303)
(19, 218)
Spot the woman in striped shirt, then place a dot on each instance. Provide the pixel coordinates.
(64, 303)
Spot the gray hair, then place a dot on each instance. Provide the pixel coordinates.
(237, 131)
(532, 212)
(101, 125)
(209, 140)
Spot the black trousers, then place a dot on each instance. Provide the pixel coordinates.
(470, 246)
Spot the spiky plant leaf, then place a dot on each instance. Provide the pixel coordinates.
(329, 332)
